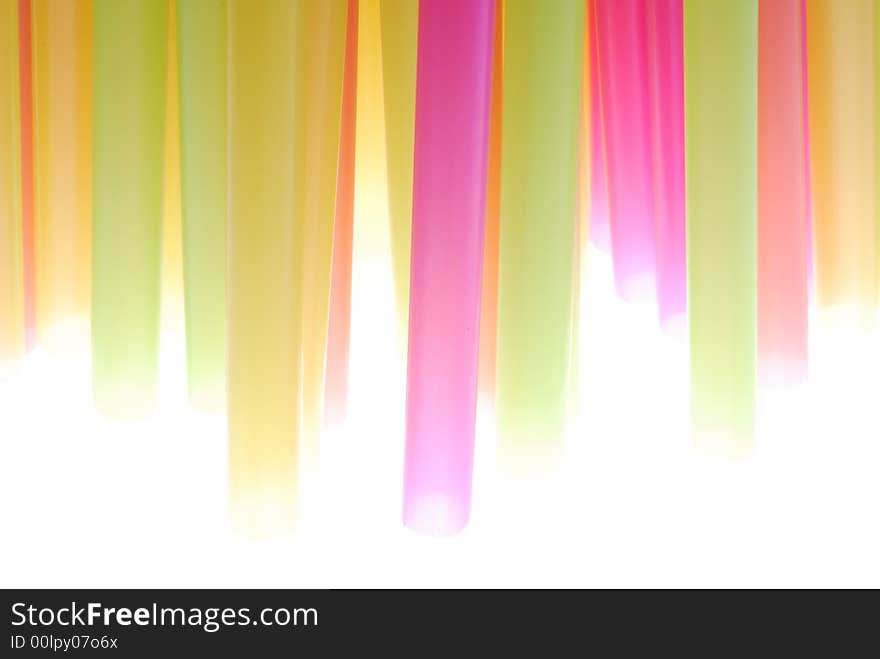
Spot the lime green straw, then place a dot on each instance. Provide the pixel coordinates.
(201, 38)
(543, 59)
(129, 139)
(721, 140)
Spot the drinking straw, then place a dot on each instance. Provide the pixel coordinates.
(582, 220)
(666, 87)
(840, 64)
(806, 148)
(129, 136)
(339, 335)
(585, 139)
(623, 77)
(12, 339)
(25, 64)
(325, 58)
(721, 159)
(371, 221)
(62, 82)
(489, 302)
(453, 92)
(876, 143)
(264, 239)
(782, 228)
(399, 43)
(543, 51)
(600, 230)
(201, 38)
(172, 225)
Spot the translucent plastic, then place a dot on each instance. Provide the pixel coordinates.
(626, 117)
(582, 221)
(782, 220)
(399, 45)
(62, 73)
(666, 83)
(489, 303)
(721, 137)
(543, 60)
(172, 221)
(339, 337)
(840, 60)
(449, 196)
(600, 231)
(321, 97)
(26, 115)
(12, 339)
(265, 238)
(371, 223)
(129, 138)
(202, 58)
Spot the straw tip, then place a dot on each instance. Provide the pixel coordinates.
(439, 515)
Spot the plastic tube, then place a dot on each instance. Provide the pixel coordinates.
(806, 148)
(129, 136)
(876, 143)
(600, 231)
(782, 227)
(325, 57)
(202, 54)
(26, 115)
(62, 78)
(453, 93)
(12, 331)
(666, 86)
(265, 234)
(840, 64)
(626, 117)
(543, 59)
(399, 44)
(721, 137)
(371, 221)
(489, 302)
(173, 313)
(336, 387)
(582, 221)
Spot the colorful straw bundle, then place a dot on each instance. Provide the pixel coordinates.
(230, 158)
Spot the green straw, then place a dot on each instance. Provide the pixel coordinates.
(721, 138)
(129, 139)
(543, 59)
(201, 38)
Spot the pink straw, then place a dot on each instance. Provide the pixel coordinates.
(666, 66)
(626, 117)
(449, 189)
(782, 227)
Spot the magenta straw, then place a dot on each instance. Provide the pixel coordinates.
(623, 78)
(449, 190)
(666, 70)
(599, 230)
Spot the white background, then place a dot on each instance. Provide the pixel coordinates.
(89, 503)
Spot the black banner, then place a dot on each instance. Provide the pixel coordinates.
(263, 623)
(124, 623)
